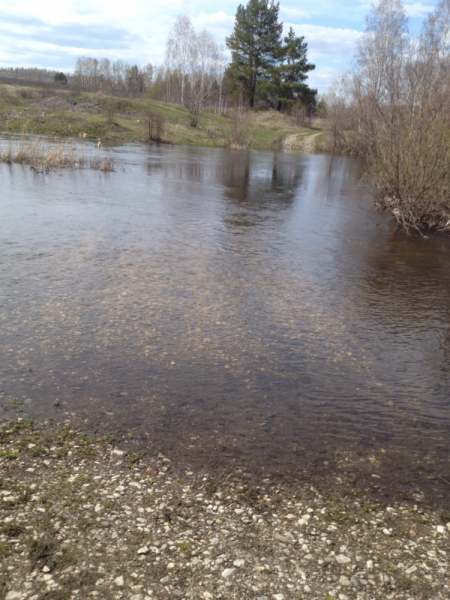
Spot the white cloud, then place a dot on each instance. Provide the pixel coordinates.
(326, 41)
(293, 14)
(418, 9)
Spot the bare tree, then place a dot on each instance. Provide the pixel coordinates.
(181, 50)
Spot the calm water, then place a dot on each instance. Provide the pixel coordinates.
(203, 298)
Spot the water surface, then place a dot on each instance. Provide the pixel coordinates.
(208, 300)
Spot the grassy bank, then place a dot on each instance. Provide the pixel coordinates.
(82, 518)
(64, 114)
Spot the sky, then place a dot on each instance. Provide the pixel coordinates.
(53, 33)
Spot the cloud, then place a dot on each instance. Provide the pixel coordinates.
(326, 41)
(219, 24)
(73, 35)
(418, 9)
(293, 14)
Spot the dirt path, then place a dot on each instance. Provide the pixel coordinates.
(307, 144)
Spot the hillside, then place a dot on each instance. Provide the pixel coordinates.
(64, 113)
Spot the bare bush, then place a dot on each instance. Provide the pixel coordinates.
(398, 112)
(236, 137)
(154, 124)
(338, 112)
(110, 108)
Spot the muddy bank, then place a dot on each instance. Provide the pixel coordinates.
(87, 517)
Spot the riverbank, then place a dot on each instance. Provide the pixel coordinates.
(70, 115)
(87, 517)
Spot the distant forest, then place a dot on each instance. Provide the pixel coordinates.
(28, 74)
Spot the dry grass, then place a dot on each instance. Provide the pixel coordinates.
(235, 137)
(45, 154)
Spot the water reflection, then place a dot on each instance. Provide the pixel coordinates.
(211, 293)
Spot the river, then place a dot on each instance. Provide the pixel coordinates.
(226, 306)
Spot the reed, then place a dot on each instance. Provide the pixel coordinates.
(45, 154)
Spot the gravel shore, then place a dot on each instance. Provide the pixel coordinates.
(81, 518)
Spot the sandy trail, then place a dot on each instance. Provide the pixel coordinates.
(306, 147)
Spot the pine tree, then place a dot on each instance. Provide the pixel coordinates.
(254, 44)
(288, 77)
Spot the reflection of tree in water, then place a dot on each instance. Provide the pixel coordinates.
(396, 287)
(259, 184)
(253, 182)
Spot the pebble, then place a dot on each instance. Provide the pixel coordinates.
(228, 572)
(225, 574)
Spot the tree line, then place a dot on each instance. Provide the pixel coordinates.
(266, 69)
(28, 74)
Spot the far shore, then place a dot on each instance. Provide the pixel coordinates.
(70, 115)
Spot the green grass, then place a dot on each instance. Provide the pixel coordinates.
(39, 113)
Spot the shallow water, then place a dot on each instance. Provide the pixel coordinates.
(206, 298)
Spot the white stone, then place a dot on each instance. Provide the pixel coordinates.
(386, 532)
(137, 597)
(12, 595)
(343, 580)
(46, 569)
(448, 526)
(228, 572)
(440, 529)
(342, 559)
(98, 507)
(143, 550)
(119, 581)
(239, 562)
(278, 596)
